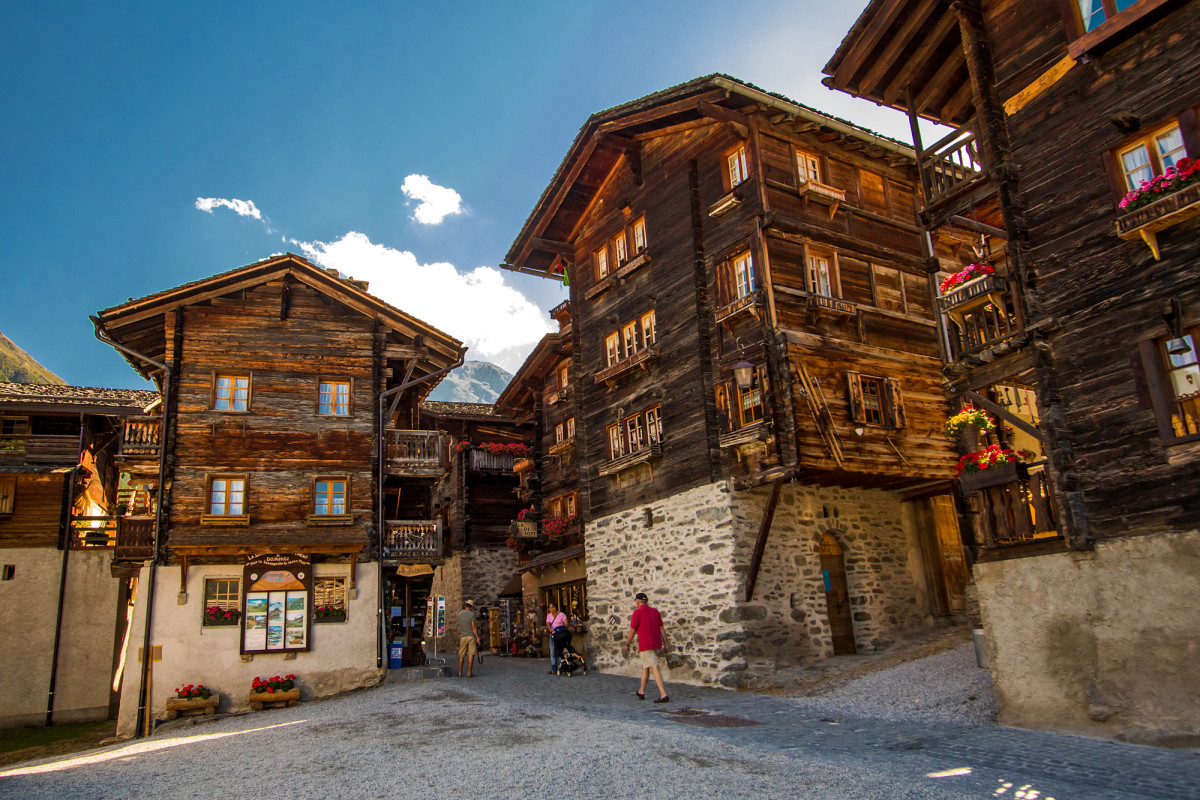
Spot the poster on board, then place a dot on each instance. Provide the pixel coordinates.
(278, 600)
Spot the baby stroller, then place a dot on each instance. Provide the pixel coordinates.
(568, 659)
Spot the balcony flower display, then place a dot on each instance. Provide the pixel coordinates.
(558, 527)
(505, 449)
(526, 514)
(990, 457)
(1184, 173)
(968, 273)
(969, 416)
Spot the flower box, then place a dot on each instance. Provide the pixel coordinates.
(330, 618)
(280, 699)
(995, 475)
(1145, 223)
(194, 707)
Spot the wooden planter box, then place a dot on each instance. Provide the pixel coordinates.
(331, 618)
(1146, 222)
(996, 475)
(193, 707)
(261, 700)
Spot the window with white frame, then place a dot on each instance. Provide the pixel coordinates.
(736, 166)
(809, 167)
(743, 274)
(1151, 155)
(820, 274)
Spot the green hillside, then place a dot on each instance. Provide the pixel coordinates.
(17, 366)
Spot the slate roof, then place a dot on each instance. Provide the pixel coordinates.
(443, 408)
(37, 394)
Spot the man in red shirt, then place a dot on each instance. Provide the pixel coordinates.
(647, 624)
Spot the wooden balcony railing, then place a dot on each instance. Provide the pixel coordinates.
(131, 538)
(483, 460)
(952, 164)
(141, 437)
(980, 328)
(1017, 513)
(972, 293)
(641, 359)
(561, 447)
(821, 303)
(419, 453)
(753, 302)
(412, 538)
(39, 447)
(639, 456)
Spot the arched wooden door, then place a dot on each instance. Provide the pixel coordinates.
(837, 596)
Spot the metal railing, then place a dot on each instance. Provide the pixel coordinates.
(415, 451)
(412, 538)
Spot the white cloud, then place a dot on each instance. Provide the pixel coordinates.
(243, 208)
(435, 203)
(497, 322)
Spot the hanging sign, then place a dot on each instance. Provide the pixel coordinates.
(441, 616)
(278, 597)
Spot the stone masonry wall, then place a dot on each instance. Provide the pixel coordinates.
(693, 560)
(478, 574)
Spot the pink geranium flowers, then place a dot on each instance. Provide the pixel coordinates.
(969, 273)
(1184, 173)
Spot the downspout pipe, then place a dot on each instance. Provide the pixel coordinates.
(382, 443)
(144, 680)
(68, 518)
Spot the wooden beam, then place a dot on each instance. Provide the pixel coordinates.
(740, 122)
(660, 111)
(864, 45)
(885, 64)
(760, 545)
(553, 246)
(936, 87)
(1002, 412)
(328, 548)
(946, 26)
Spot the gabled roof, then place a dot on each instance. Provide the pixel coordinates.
(137, 324)
(898, 48)
(446, 409)
(550, 350)
(609, 135)
(29, 397)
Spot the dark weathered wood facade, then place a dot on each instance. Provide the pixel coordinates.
(1044, 107)
(713, 225)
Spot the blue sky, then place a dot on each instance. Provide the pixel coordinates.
(130, 129)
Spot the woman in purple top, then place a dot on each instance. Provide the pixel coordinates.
(647, 624)
(554, 619)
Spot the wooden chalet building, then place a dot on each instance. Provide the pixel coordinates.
(756, 369)
(549, 539)
(475, 502)
(290, 434)
(1080, 340)
(65, 611)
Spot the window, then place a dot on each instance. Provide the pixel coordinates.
(329, 599)
(554, 508)
(1151, 155)
(227, 497)
(736, 169)
(750, 404)
(13, 431)
(570, 598)
(329, 497)
(559, 432)
(612, 349)
(570, 505)
(743, 274)
(333, 398)
(600, 258)
(649, 336)
(8, 493)
(617, 243)
(737, 407)
(231, 393)
(1094, 12)
(564, 376)
(639, 235)
(614, 441)
(221, 595)
(820, 275)
(629, 338)
(875, 401)
(570, 427)
(1183, 379)
(635, 433)
(809, 167)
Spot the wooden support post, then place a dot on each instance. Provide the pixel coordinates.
(760, 545)
(1002, 412)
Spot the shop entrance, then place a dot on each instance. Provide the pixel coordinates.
(406, 598)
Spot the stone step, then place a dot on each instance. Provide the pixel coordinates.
(408, 674)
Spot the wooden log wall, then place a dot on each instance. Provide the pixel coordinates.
(1108, 295)
(37, 511)
(281, 444)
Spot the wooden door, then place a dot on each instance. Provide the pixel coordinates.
(837, 596)
(953, 559)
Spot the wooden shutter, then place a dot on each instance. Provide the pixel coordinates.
(1189, 127)
(854, 393)
(724, 396)
(895, 402)
(8, 493)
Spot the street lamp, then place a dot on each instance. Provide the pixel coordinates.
(743, 373)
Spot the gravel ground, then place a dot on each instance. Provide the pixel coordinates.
(944, 687)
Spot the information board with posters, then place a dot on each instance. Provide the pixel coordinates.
(278, 597)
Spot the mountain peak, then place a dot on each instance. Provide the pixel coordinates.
(473, 382)
(17, 366)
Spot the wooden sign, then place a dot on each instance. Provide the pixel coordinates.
(277, 607)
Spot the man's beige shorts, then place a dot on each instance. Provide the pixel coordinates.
(467, 646)
(649, 658)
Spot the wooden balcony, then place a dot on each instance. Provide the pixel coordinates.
(952, 166)
(752, 303)
(641, 358)
(412, 539)
(973, 293)
(140, 439)
(483, 461)
(561, 447)
(820, 193)
(37, 448)
(415, 453)
(754, 432)
(640, 456)
(1145, 223)
(1018, 513)
(823, 304)
(979, 328)
(131, 538)
(560, 396)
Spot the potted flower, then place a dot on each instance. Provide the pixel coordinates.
(1159, 203)
(966, 426)
(193, 698)
(1183, 174)
(215, 615)
(992, 466)
(277, 691)
(560, 527)
(329, 613)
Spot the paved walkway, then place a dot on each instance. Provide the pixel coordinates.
(514, 731)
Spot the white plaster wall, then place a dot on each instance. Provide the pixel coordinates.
(342, 655)
(88, 638)
(1105, 643)
(28, 605)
